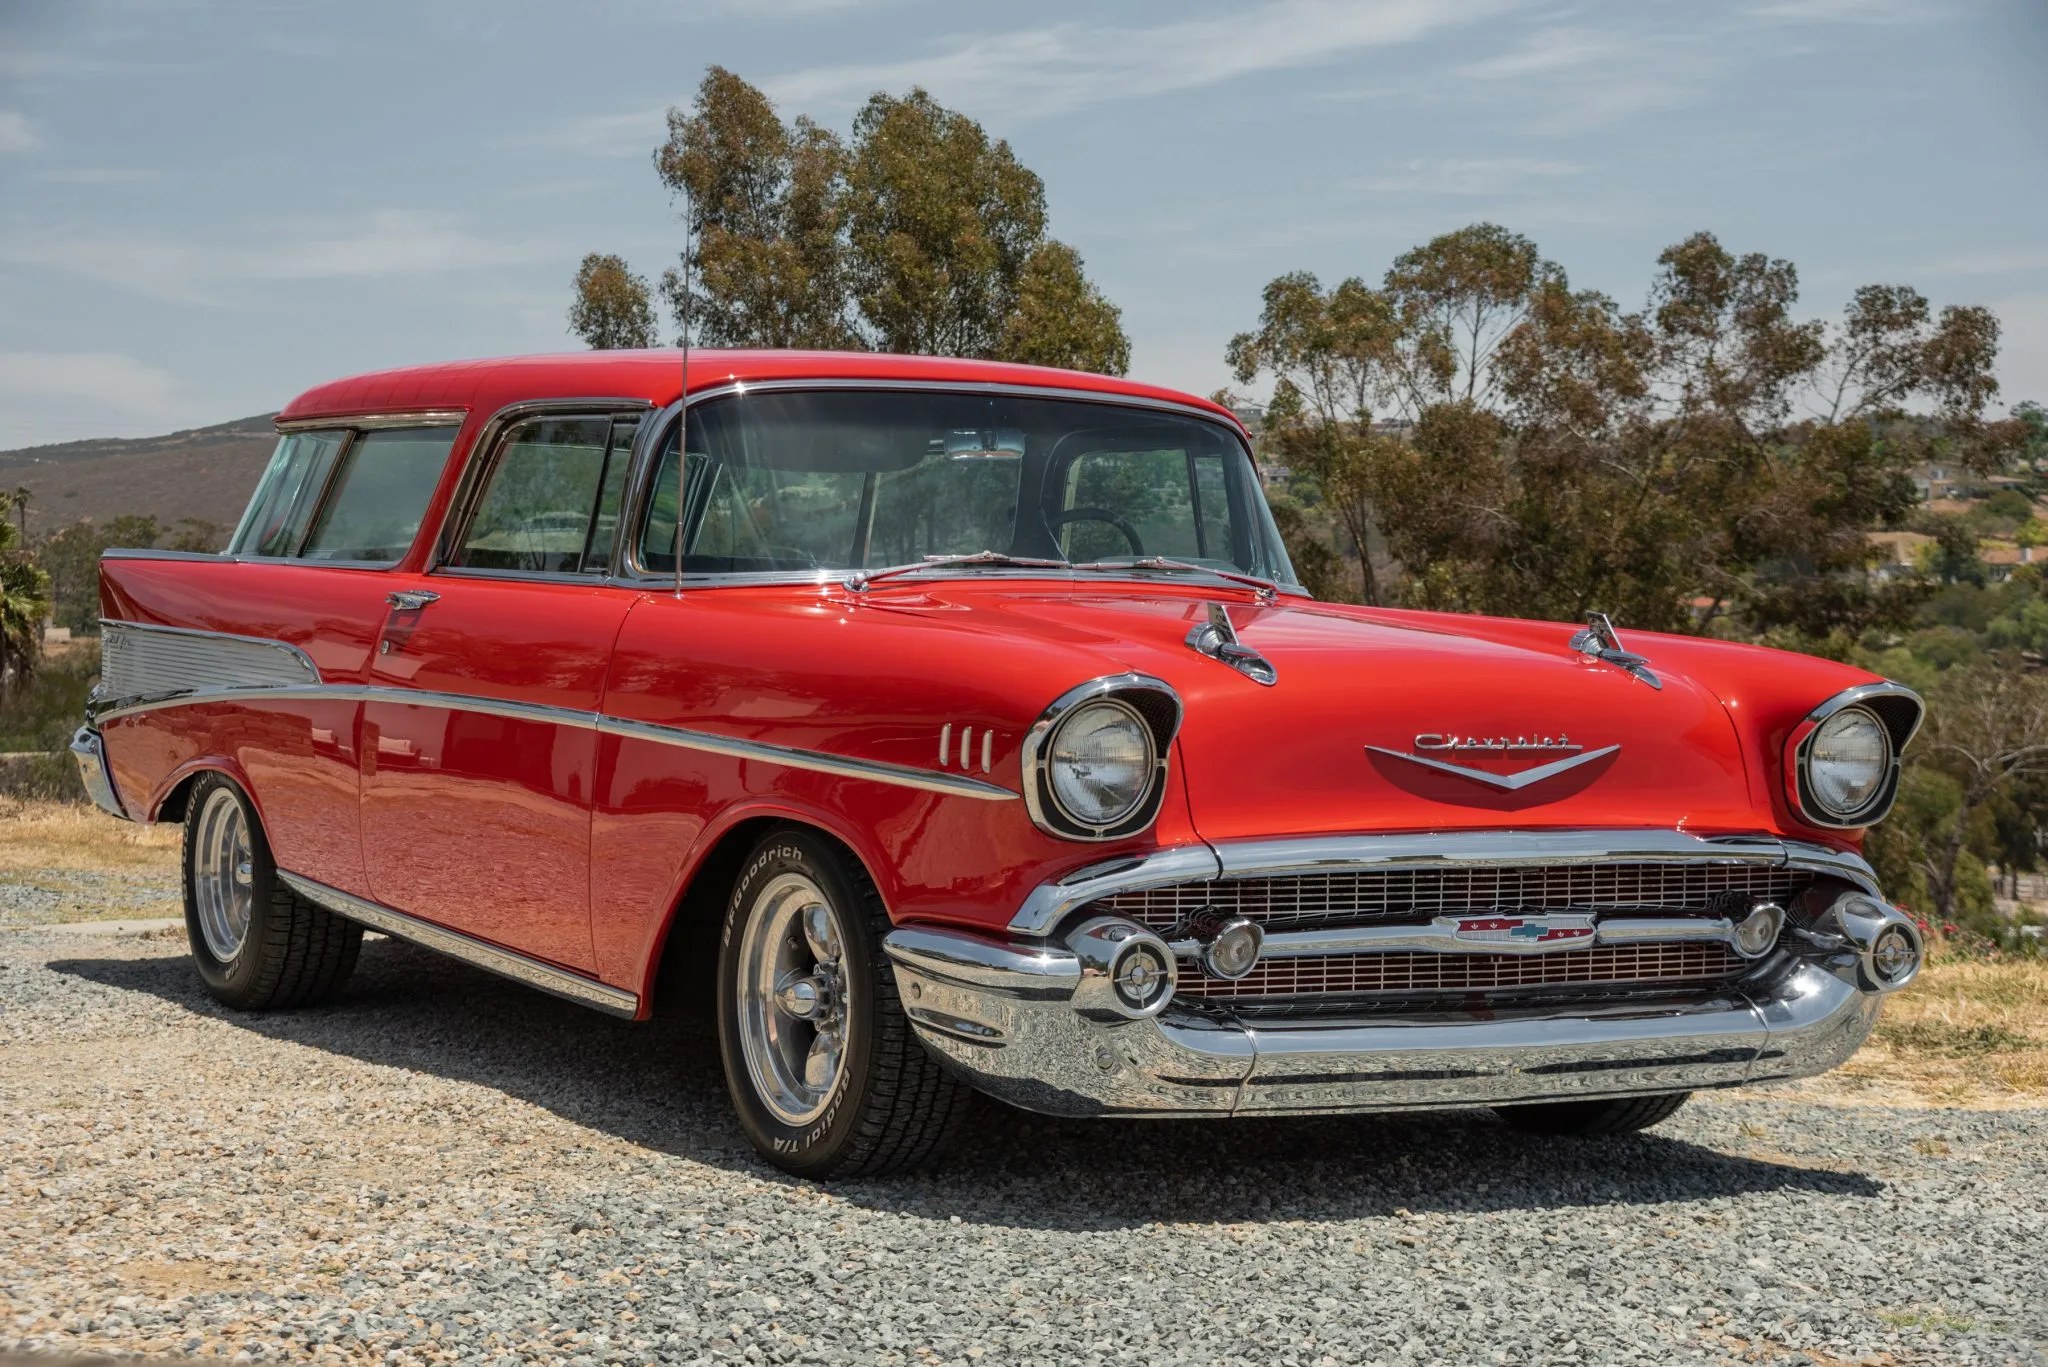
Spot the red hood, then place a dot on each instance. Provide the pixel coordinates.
(1294, 757)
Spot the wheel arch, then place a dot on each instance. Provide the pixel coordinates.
(174, 794)
(681, 956)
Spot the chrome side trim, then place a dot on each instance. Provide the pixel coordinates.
(468, 948)
(901, 775)
(1049, 903)
(300, 682)
(102, 710)
(140, 659)
(369, 422)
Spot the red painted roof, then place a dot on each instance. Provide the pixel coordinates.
(485, 386)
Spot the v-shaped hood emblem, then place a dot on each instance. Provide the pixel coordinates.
(1505, 782)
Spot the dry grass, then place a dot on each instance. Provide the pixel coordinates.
(42, 837)
(1969, 1032)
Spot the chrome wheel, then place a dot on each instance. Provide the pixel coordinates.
(223, 874)
(792, 998)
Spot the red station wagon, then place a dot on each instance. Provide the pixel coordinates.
(957, 726)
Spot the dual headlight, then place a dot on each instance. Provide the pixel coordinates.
(1846, 768)
(1095, 762)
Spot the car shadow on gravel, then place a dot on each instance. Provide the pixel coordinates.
(657, 1086)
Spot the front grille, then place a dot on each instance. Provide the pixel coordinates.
(1688, 965)
(1397, 896)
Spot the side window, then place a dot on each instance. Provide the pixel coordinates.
(282, 507)
(374, 506)
(550, 503)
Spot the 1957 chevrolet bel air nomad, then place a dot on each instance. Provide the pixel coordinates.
(956, 726)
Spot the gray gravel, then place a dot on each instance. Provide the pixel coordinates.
(444, 1167)
(64, 895)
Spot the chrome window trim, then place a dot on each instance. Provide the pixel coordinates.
(1039, 799)
(108, 709)
(1808, 807)
(1048, 904)
(483, 454)
(627, 566)
(468, 948)
(376, 421)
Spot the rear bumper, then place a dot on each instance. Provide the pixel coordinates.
(91, 755)
(1002, 1014)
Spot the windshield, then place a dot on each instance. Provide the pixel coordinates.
(847, 480)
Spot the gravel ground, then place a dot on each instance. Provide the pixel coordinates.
(444, 1167)
(65, 895)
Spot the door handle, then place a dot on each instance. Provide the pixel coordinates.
(412, 600)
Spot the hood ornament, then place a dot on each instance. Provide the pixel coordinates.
(1216, 637)
(1600, 643)
(1507, 783)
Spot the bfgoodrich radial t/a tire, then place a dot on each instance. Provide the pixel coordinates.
(824, 1069)
(257, 944)
(1618, 1116)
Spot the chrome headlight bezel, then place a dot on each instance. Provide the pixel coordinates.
(1897, 711)
(1152, 703)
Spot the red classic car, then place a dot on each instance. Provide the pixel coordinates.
(956, 726)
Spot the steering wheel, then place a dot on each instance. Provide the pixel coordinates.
(1056, 521)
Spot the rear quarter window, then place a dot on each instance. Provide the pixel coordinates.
(343, 496)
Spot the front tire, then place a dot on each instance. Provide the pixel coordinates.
(257, 944)
(824, 1069)
(1621, 1115)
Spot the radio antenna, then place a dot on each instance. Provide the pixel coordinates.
(683, 416)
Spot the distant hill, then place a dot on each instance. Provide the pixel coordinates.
(205, 472)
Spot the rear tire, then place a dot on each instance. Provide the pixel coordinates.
(1620, 1115)
(824, 1069)
(257, 944)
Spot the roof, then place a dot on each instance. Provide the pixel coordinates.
(657, 376)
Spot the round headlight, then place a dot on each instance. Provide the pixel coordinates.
(1101, 763)
(1848, 761)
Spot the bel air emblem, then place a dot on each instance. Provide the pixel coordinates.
(1440, 742)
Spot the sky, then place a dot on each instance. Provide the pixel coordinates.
(206, 208)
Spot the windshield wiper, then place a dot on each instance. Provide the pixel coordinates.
(1266, 588)
(859, 580)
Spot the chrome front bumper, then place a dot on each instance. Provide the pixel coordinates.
(91, 755)
(1002, 1013)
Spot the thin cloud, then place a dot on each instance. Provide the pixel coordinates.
(1469, 176)
(1568, 80)
(107, 378)
(1029, 73)
(394, 242)
(1842, 11)
(15, 133)
(2013, 262)
(104, 175)
(391, 243)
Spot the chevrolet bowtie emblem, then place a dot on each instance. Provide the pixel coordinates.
(1505, 782)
